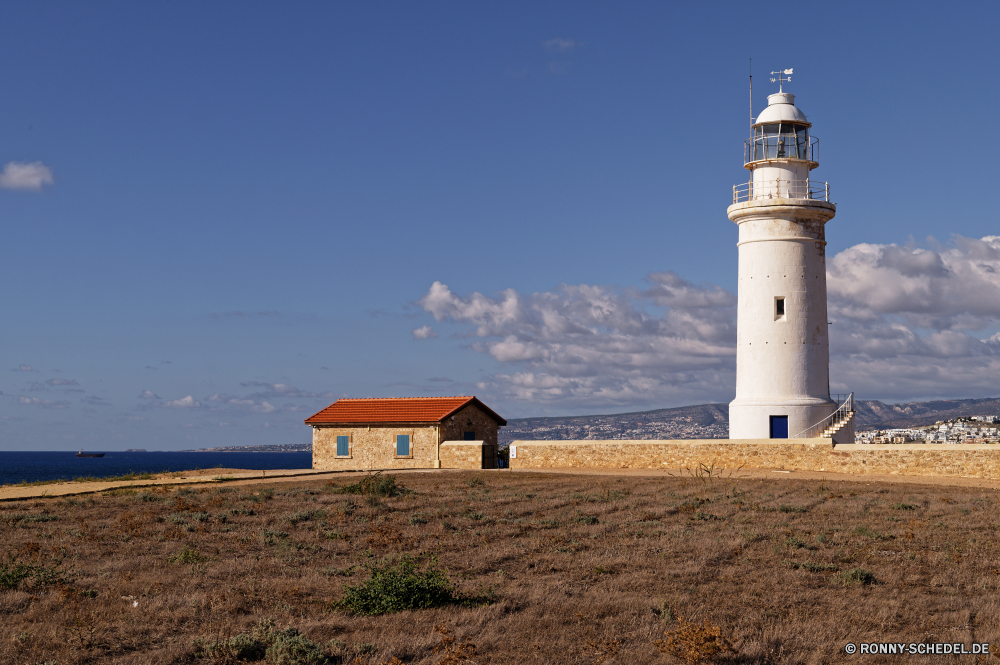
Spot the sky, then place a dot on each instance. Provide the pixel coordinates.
(217, 218)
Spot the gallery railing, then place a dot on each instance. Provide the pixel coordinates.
(781, 189)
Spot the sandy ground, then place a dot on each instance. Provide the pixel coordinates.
(250, 477)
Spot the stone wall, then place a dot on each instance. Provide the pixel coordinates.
(463, 454)
(375, 447)
(973, 461)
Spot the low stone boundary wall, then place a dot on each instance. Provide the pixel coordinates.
(462, 454)
(916, 459)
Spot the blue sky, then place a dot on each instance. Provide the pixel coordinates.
(219, 217)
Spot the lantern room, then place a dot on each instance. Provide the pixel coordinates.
(780, 154)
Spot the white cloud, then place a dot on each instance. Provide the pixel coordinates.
(23, 368)
(31, 176)
(905, 324)
(424, 332)
(264, 407)
(148, 394)
(44, 403)
(593, 345)
(188, 402)
(560, 44)
(62, 382)
(905, 319)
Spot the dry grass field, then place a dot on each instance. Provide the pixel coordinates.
(517, 568)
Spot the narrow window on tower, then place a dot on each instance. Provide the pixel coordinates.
(779, 308)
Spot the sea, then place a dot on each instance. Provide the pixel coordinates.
(16, 467)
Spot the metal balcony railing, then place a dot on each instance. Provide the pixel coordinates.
(781, 189)
(780, 146)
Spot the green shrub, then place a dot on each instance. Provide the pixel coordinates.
(291, 648)
(587, 519)
(903, 506)
(13, 573)
(375, 485)
(397, 585)
(304, 516)
(280, 647)
(858, 576)
(188, 555)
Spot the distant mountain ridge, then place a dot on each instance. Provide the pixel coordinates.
(711, 421)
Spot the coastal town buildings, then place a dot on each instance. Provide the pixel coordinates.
(970, 429)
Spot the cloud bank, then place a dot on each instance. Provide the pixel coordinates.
(904, 323)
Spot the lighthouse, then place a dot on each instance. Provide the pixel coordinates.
(783, 350)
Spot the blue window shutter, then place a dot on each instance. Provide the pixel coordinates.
(402, 444)
(343, 446)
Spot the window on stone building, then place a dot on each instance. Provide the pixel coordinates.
(402, 444)
(468, 436)
(343, 445)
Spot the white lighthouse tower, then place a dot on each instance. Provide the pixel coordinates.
(782, 352)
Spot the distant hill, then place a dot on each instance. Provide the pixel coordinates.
(872, 413)
(711, 421)
(703, 421)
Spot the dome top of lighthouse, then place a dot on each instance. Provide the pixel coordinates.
(781, 108)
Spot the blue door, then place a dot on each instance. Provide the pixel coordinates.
(779, 427)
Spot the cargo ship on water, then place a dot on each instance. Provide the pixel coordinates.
(83, 454)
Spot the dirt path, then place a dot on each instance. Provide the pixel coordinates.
(250, 477)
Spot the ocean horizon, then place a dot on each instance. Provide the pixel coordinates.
(31, 466)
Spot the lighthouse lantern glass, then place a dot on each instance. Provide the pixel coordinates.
(781, 140)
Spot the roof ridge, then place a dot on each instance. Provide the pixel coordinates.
(370, 399)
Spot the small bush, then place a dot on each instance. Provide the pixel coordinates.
(858, 576)
(13, 573)
(291, 648)
(303, 516)
(692, 643)
(587, 519)
(280, 647)
(270, 536)
(791, 509)
(188, 555)
(868, 533)
(903, 506)
(375, 485)
(397, 585)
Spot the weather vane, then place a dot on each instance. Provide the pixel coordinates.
(780, 80)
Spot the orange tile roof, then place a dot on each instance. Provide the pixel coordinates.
(396, 410)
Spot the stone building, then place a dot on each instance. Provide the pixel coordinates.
(406, 433)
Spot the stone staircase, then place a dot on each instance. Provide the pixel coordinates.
(842, 418)
(833, 423)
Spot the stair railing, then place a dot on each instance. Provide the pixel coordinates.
(834, 418)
